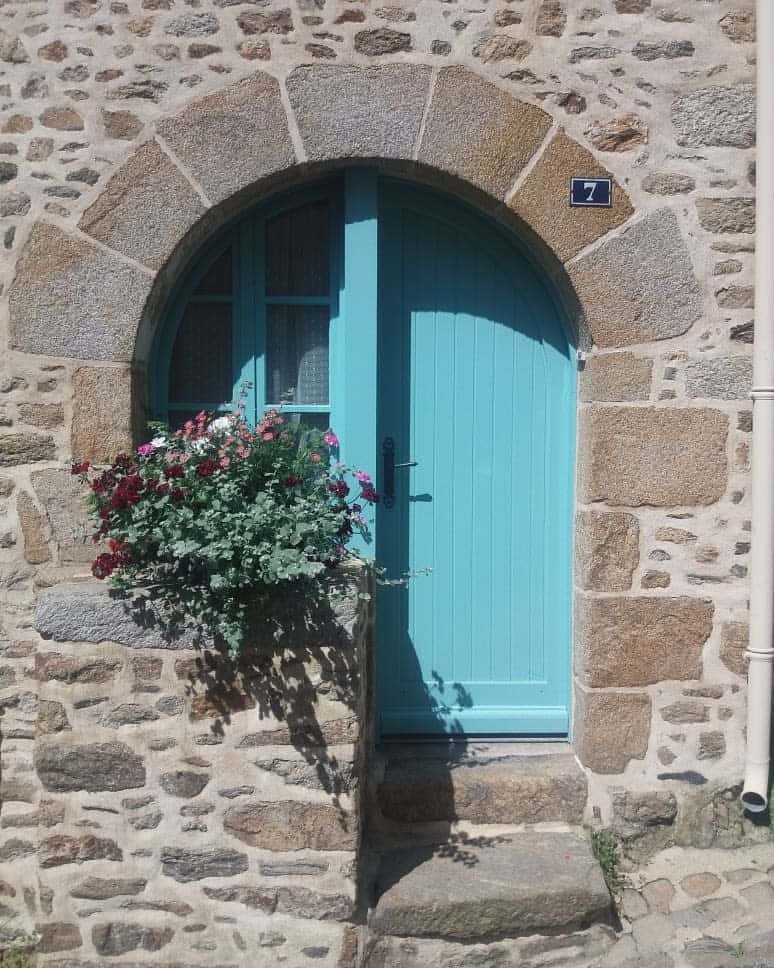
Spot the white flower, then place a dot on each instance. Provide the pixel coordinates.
(222, 423)
(160, 441)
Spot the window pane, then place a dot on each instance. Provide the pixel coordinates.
(320, 421)
(201, 358)
(297, 354)
(297, 252)
(217, 280)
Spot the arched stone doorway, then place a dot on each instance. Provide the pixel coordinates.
(94, 295)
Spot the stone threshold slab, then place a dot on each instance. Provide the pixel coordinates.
(486, 785)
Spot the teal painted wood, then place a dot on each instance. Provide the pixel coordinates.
(477, 384)
(357, 374)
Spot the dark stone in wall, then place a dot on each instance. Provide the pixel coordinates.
(64, 767)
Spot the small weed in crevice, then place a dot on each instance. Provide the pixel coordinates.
(604, 844)
(17, 956)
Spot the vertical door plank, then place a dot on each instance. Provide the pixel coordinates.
(359, 319)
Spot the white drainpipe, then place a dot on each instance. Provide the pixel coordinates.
(761, 648)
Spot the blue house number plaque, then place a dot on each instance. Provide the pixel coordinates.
(591, 192)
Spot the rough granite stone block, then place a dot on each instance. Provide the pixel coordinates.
(73, 299)
(641, 641)
(145, 209)
(607, 550)
(640, 285)
(88, 612)
(359, 112)
(248, 121)
(615, 377)
(653, 456)
(501, 134)
(611, 728)
(103, 413)
(567, 230)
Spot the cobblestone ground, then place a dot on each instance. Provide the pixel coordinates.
(698, 908)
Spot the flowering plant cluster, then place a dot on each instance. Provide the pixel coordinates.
(212, 517)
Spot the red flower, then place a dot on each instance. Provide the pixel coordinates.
(293, 480)
(80, 468)
(207, 467)
(104, 565)
(127, 493)
(178, 494)
(339, 488)
(368, 493)
(174, 470)
(119, 551)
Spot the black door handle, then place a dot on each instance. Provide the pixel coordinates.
(388, 471)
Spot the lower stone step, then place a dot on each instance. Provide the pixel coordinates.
(489, 888)
(581, 949)
(481, 785)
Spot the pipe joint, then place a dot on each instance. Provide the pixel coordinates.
(762, 393)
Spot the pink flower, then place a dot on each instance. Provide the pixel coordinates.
(145, 450)
(315, 458)
(225, 461)
(331, 439)
(362, 477)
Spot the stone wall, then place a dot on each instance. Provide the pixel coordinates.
(182, 803)
(116, 118)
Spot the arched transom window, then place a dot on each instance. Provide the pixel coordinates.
(254, 322)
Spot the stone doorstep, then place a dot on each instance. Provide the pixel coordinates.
(491, 888)
(482, 783)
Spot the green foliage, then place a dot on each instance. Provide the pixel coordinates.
(17, 957)
(210, 519)
(604, 844)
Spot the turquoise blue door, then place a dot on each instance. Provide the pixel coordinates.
(426, 338)
(476, 430)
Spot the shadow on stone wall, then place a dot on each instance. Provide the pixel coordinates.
(300, 670)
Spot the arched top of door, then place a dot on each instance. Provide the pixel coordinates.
(269, 284)
(97, 294)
